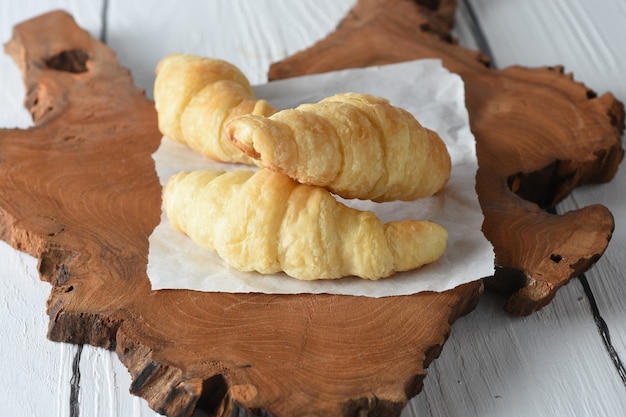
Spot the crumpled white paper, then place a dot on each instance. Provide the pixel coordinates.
(436, 98)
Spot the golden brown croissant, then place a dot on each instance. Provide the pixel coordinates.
(194, 96)
(267, 222)
(356, 145)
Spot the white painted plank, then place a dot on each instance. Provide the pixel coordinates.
(556, 365)
(104, 387)
(587, 38)
(250, 34)
(551, 363)
(607, 278)
(28, 358)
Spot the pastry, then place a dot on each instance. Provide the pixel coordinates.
(264, 221)
(355, 145)
(194, 96)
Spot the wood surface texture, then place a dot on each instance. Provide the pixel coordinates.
(80, 193)
(539, 135)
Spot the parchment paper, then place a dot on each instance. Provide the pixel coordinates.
(436, 98)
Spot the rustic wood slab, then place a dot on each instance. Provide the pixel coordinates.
(539, 135)
(80, 193)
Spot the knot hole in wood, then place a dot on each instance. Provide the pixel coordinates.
(71, 60)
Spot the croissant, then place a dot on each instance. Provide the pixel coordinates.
(356, 145)
(264, 221)
(194, 96)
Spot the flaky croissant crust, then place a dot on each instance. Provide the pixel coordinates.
(264, 221)
(194, 96)
(356, 145)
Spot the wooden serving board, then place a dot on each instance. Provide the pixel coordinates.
(79, 192)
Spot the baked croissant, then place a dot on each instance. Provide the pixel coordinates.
(194, 96)
(355, 145)
(264, 221)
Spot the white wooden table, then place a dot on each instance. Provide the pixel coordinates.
(568, 359)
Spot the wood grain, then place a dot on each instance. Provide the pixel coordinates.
(539, 135)
(80, 193)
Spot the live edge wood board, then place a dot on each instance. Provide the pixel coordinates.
(79, 192)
